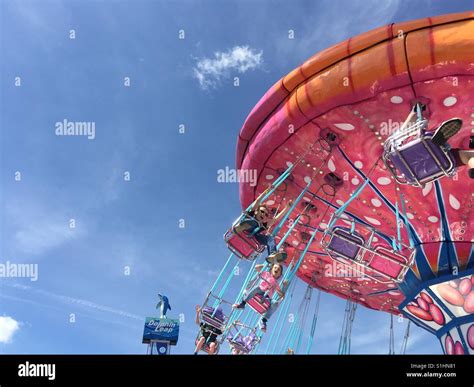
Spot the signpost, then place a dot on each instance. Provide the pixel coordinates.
(160, 333)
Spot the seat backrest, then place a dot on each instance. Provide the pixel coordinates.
(345, 243)
(259, 303)
(417, 158)
(249, 341)
(245, 247)
(215, 319)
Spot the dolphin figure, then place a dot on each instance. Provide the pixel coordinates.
(163, 305)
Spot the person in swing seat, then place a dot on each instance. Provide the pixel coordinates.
(258, 224)
(208, 337)
(266, 288)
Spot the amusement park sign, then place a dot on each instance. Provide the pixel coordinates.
(163, 329)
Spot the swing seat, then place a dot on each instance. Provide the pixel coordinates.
(237, 345)
(249, 342)
(242, 338)
(215, 319)
(242, 243)
(393, 265)
(413, 159)
(379, 263)
(244, 344)
(259, 303)
(345, 244)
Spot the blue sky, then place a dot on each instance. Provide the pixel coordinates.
(173, 176)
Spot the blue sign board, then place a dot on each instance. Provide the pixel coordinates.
(162, 329)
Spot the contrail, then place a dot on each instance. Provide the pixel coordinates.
(78, 301)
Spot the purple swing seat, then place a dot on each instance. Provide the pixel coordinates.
(420, 160)
(244, 343)
(340, 244)
(215, 319)
(422, 164)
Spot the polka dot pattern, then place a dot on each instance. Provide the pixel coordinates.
(345, 126)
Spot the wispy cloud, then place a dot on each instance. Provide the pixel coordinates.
(39, 227)
(37, 238)
(8, 327)
(211, 71)
(312, 36)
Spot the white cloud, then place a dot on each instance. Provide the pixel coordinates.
(210, 71)
(8, 327)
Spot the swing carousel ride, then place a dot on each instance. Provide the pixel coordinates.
(371, 142)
